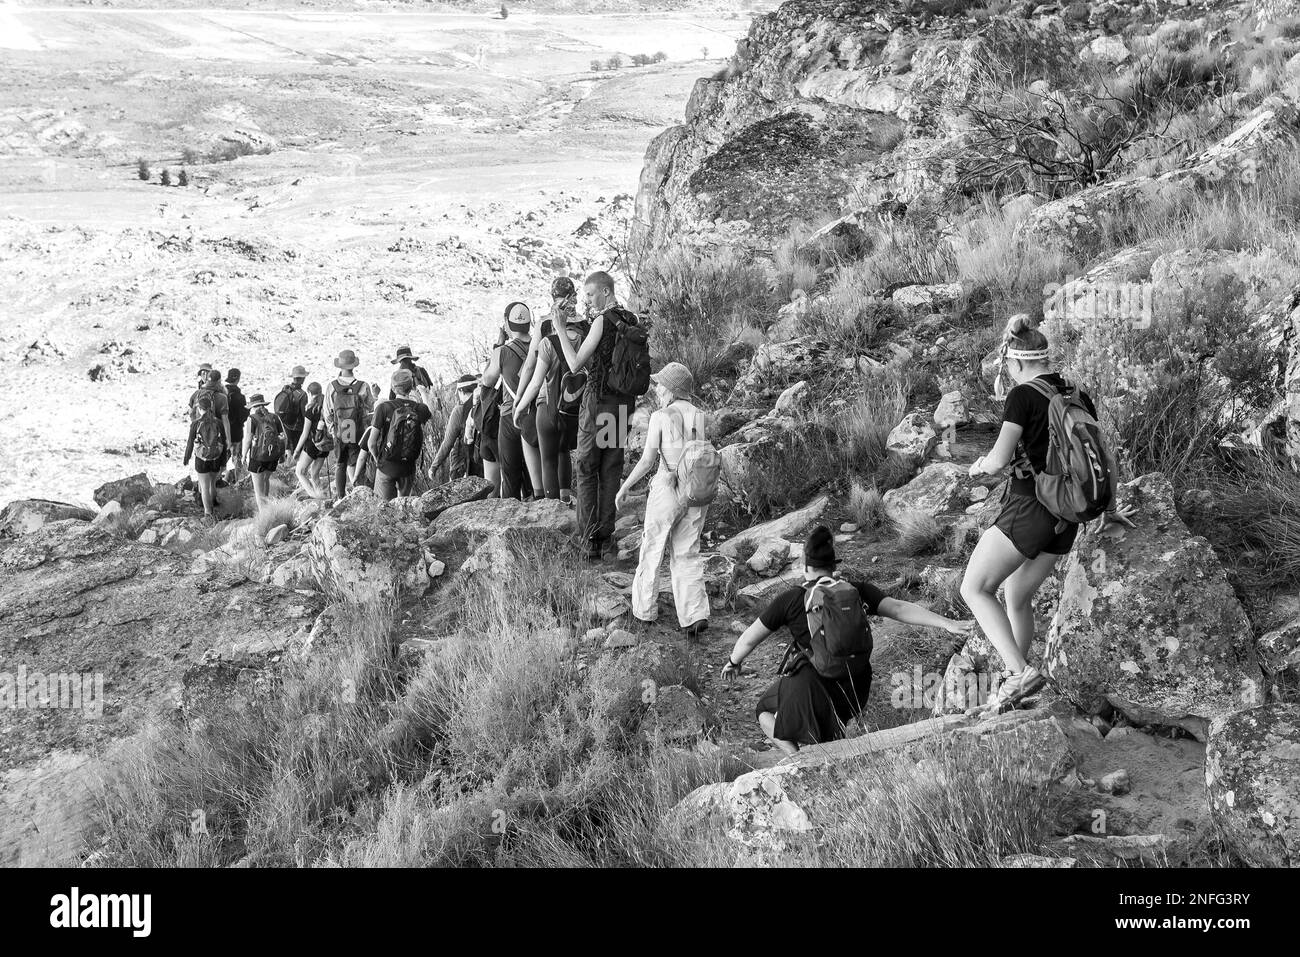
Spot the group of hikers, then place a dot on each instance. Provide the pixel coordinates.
(548, 416)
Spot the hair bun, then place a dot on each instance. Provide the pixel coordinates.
(1019, 324)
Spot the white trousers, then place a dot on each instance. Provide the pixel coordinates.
(667, 525)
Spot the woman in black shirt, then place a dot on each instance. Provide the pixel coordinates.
(801, 707)
(1022, 547)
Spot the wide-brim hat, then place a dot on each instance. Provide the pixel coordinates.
(298, 372)
(256, 399)
(347, 359)
(404, 352)
(677, 378)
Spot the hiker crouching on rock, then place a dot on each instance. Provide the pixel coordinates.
(680, 492)
(264, 446)
(1023, 545)
(827, 671)
(397, 438)
(208, 446)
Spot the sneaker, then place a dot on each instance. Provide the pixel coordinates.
(1018, 687)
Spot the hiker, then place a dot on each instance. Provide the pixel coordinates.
(680, 492)
(455, 451)
(314, 444)
(396, 438)
(290, 403)
(618, 353)
(503, 371)
(238, 410)
(220, 404)
(348, 406)
(407, 360)
(208, 446)
(264, 446)
(826, 673)
(556, 395)
(1023, 545)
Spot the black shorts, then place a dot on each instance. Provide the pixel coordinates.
(206, 467)
(1032, 528)
(487, 447)
(310, 450)
(811, 709)
(528, 426)
(260, 465)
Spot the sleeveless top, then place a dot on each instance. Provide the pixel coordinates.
(693, 427)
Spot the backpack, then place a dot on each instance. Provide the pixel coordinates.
(268, 443)
(563, 387)
(209, 438)
(288, 406)
(698, 468)
(405, 436)
(194, 402)
(1078, 483)
(628, 372)
(348, 410)
(837, 624)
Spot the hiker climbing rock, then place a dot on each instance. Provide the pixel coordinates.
(1062, 475)
(617, 350)
(826, 674)
(685, 483)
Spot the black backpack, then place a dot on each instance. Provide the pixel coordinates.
(405, 437)
(628, 373)
(288, 406)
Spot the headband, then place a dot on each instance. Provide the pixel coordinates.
(1025, 355)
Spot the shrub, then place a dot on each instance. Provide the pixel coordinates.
(165, 498)
(274, 513)
(641, 59)
(866, 505)
(166, 178)
(1254, 516)
(183, 179)
(614, 63)
(597, 66)
(659, 57)
(142, 169)
(918, 533)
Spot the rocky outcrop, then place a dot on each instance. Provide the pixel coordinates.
(108, 627)
(789, 525)
(28, 515)
(1252, 773)
(476, 521)
(133, 490)
(371, 551)
(1148, 622)
(469, 488)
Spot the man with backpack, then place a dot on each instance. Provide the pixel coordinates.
(396, 438)
(455, 451)
(826, 673)
(238, 408)
(1062, 477)
(291, 405)
(264, 447)
(618, 352)
(209, 447)
(348, 406)
(504, 370)
(685, 483)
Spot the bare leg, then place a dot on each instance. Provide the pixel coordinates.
(207, 490)
(492, 472)
(533, 462)
(767, 721)
(1020, 590)
(992, 562)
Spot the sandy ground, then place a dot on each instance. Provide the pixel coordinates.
(423, 170)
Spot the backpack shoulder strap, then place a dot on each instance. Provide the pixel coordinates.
(1045, 389)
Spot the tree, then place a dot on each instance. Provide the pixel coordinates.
(183, 179)
(142, 169)
(659, 57)
(597, 66)
(504, 12)
(166, 178)
(614, 63)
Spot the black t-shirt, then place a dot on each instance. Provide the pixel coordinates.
(238, 412)
(383, 414)
(787, 610)
(1028, 408)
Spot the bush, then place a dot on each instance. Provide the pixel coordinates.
(166, 178)
(918, 533)
(597, 66)
(614, 63)
(142, 169)
(183, 179)
(1254, 515)
(659, 57)
(165, 498)
(866, 505)
(641, 59)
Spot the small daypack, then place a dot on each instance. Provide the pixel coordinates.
(268, 443)
(405, 437)
(288, 407)
(563, 387)
(838, 627)
(698, 467)
(348, 411)
(1078, 483)
(629, 362)
(209, 438)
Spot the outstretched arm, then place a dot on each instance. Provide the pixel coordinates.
(754, 635)
(910, 613)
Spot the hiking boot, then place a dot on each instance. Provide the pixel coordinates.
(695, 630)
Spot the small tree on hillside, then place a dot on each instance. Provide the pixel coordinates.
(166, 178)
(614, 63)
(142, 169)
(597, 66)
(183, 179)
(659, 57)
(504, 12)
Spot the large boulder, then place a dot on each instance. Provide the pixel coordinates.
(476, 521)
(27, 515)
(789, 525)
(1252, 773)
(938, 488)
(133, 490)
(912, 440)
(120, 623)
(469, 488)
(371, 552)
(1148, 623)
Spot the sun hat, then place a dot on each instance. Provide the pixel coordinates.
(205, 367)
(676, 378)
(255, 400)
(819, 549)
(298, 372)
(347, 359)
(403, 352)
